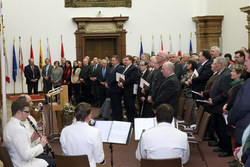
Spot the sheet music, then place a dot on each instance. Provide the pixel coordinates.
(114, 131)
(203, 101)
(195, 74)
(135, 89)
(225, 117)
(119, 132)
(144, 83)
(104, 128)
(143, 123)
(120, 77)
(147, 123)
(195, 92)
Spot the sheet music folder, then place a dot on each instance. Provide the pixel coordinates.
(118, 132)
(147, 123)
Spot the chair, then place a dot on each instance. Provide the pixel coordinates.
(188, 113)
(72, 161)
(181, 108)
(197, 122)
(5, 157)
(170, 162)
(197, 138)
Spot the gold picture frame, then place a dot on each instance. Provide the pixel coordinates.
(97, 3)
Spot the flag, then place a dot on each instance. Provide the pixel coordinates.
(41, 57)
(7, 78)
(62, 50)
(179, 50)
(141, 49)
(31, 49)
(161, 43)
(170, 41)
(20, 57)
(153, 46)
(190, 48)
(14, 70)
(48, 51)
(190, 45)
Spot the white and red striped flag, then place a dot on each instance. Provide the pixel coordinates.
(48, 51)
(20, 57)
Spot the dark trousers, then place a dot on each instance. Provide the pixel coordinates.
(103, 94)
(147, 111)
(48, 159)
(95, 92)
(77, 95)
(129, 102)
(221, 130)
(210, 125)
(86, 93)
(33, 85)
(47, 86)
(116, 105)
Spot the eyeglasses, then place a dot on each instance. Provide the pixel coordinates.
(26, 111)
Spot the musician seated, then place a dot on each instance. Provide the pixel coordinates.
(17, 141)
(82, 139)
(31, 131)
(163, 141)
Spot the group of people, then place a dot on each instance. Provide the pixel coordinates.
(218, 80)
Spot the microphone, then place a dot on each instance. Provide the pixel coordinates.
(103, 162)
(92, 122)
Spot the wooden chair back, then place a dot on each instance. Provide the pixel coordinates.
(188, 112)
(170, 162)
(198, 117)
(203, 125)
(180, 108)
(72, 161)
(5, 157)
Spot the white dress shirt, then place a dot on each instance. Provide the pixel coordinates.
(80, 139)
(163, 141)
(18, 143)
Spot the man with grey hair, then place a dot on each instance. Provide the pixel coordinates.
(169, 90)
(218, 98)
(185, 58)
(145, 56)
(178, 67)
(215, 52)
(161, 58)
(46, 74)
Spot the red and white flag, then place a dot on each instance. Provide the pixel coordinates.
(179, 49)
(62, 50)
(48, 51)
(31, 49)
(161, 43)
(20, 57)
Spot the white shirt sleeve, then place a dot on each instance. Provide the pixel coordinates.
(98, 149)
(186, 154)
(140, 151)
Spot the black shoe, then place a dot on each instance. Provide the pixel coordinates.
(233, 163)
(217, 150)
(213, 144)
(98, 117)
(225, 154)
(229, 162)
(206, 138)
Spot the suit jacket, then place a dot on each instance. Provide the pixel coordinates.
(219, 90)
(168, 93)
(111, 80)
(100, 77)
(156, 83)
(28, 73)
(178, 70)
(49, 71)
(85, 74)
(145, 77)
(206, 91)
(56, 75)
(131, 75)
(94, 72)
(199, 83)
(239, 115)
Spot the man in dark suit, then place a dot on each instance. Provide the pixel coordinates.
(32, 74)
(218, 98)
(239, 115)
(204, 71)
(169, 90)
(131, 74)
(114, 91)
(102, 75)
(144, 72)
(178, 67)
(85, 81)
(157, 80)
(46, 74)
(94, 83)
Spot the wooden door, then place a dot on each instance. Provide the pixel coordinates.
(100, 48)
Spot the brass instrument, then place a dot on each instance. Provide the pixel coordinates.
(47, 146)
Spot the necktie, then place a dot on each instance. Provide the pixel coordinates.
(198, 69)
(33, 71)
(103, 72)
(47, 68)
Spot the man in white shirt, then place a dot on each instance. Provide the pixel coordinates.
(80, 138)
(18, 142)
(163, 141)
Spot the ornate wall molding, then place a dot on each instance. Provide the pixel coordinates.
(247, 10)
(208, 31)
(98, 3)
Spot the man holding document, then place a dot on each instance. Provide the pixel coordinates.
(163, 141)
(80, 138)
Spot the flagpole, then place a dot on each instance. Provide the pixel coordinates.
(14, 81)
(41, 63)
(19, 64)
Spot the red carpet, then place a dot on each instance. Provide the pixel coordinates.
(33, 97)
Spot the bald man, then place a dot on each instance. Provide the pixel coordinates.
(169, 90)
